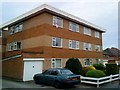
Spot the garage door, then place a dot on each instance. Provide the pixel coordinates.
(32, 67)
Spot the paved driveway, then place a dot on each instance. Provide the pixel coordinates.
(8, 83)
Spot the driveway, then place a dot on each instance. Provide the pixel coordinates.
(9, 83)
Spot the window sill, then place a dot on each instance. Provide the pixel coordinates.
(57, 46)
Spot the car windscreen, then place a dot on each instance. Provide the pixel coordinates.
(65, 72)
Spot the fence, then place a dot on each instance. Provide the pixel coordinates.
(99, 81)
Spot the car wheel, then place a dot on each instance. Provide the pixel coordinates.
(57, 84)
(36, 80)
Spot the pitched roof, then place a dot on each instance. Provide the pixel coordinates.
(56, 12)
(112, 52)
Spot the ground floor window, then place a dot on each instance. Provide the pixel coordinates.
(56, 63)
(97, 61)
(88, 62)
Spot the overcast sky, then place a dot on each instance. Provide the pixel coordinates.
(103, 13)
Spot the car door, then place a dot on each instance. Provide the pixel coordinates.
(45, 75)
(52, 77)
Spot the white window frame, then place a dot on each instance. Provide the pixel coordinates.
(97, 50)
(87, 31)
(77, 44)
(15, 45)
(97, 61)
(89, 62)
(10, 47)
(97, 34)
(54, 21)
(16, 28)
(54, 39)
(71, 25)
(89, 46)
(55, 62)
(12, 30)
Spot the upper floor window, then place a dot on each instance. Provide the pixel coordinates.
(73, 44)
(58, 22)
(16, 28)
(87, 46)
(56, 42)
(97, 34)
(17, 46)
(87, 31)
(10, 46)
(0, 33)
(56, 63)
(97, 47)
(14, 46)
(88, 62)
(74, 27)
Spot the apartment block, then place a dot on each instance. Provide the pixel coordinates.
(47, 37)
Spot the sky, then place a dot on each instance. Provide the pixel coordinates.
(103, 13)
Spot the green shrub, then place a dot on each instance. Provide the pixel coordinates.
(111, 68)
(95, 73)
(90, 68)
(75, 66)
(99, 66)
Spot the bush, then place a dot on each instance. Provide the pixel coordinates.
(95, 73)
(75, 66)
(99, 66)
(90, 68)
(111, 68)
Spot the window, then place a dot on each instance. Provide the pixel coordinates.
(16, 28)
(10, 46)
(73, 44)
(87, 46)
(12, 29)
(87, 31)
(97, 34)
(88, 62)
(74, 27)
(57, 22)
(0, 33)
(56, 63)
(56, 42)
(97, 48)
(17, 46)
(97, 61)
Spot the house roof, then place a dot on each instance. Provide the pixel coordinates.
(112, 52)
(53, 10)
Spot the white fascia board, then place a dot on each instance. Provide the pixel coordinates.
(54, 10)
(33, 59)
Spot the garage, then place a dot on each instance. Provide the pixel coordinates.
(32, 66)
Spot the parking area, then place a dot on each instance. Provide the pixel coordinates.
(10, 83)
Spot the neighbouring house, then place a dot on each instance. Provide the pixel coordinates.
(47, 37)
(111, 55)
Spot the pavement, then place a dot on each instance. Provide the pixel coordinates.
(10, 83)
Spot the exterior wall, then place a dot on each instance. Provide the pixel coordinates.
(47, 62)
(13, 68)
(37, 36)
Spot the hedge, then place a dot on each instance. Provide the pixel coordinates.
(95, 73)
(99, 66)
(111, 68)
(75, 66)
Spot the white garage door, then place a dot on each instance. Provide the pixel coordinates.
(32, 67)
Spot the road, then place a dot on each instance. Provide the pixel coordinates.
(7, 83)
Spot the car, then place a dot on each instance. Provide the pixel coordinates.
(58, 77)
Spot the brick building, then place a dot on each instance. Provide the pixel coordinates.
(46, 37)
